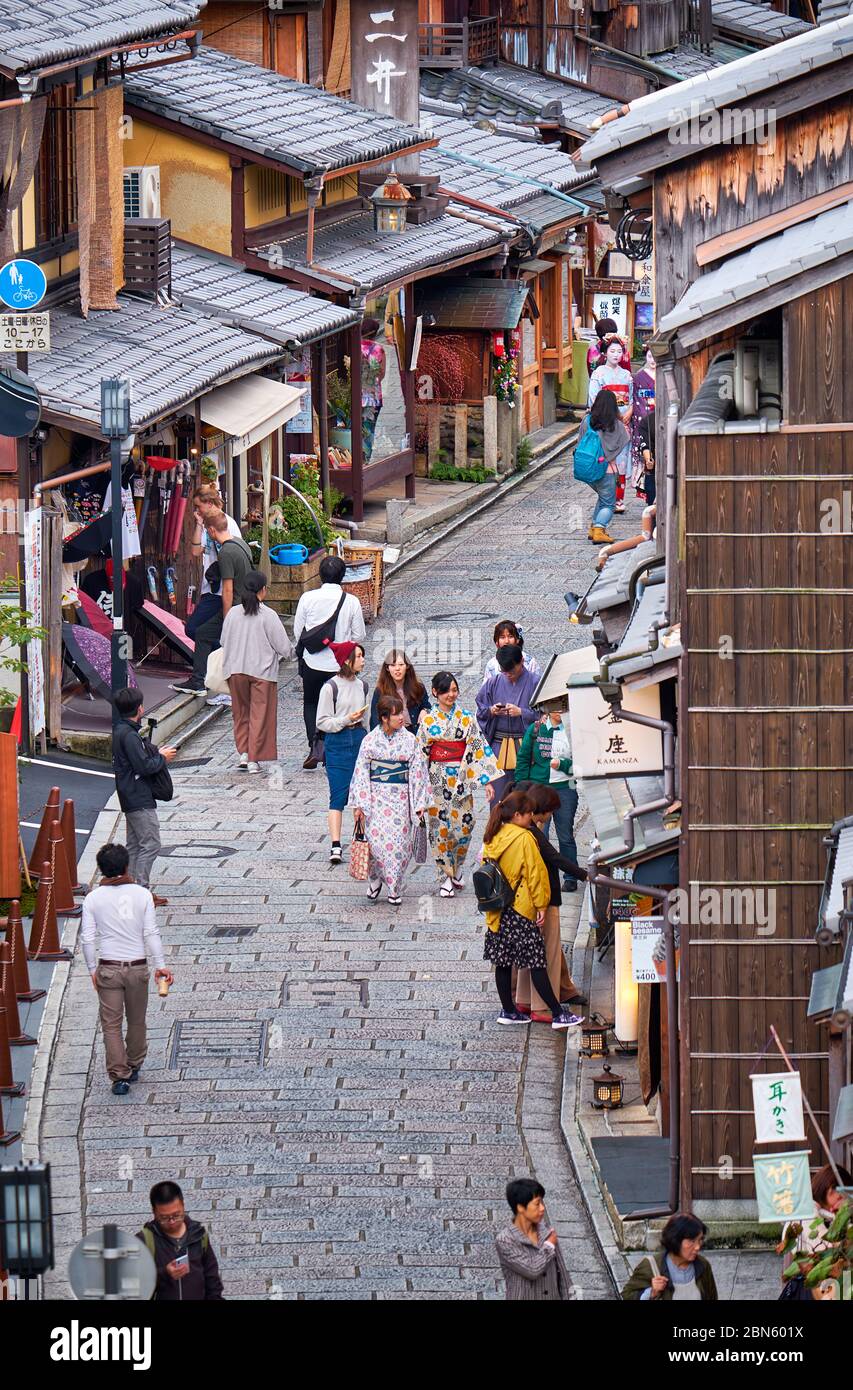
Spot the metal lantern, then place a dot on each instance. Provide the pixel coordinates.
(594, 1034)
(115, 407)
(607, 1090)
(389, 205)
(26, 1219)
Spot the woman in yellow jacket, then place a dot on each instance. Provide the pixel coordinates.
(514, 936)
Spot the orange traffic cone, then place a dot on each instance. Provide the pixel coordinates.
(17, 1036)
(41, 849)
(15, 940)
(8, 1086)
(44, 933)
(69, 835)
(63, 898)
(7, 1137)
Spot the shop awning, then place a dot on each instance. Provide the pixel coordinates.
(831, 994)
(842, 1126)
(250, 409)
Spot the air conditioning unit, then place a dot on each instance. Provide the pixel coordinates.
(758, 378)
(142, 191)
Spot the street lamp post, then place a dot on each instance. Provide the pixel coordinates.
(26, 1221)
(115, 424)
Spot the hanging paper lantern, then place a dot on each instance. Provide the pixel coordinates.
(498, 344)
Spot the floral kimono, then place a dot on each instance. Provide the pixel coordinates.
(390, 785)
(459, 758)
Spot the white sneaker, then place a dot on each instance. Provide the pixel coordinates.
(253, 767)
(243, 764)
(219, 700)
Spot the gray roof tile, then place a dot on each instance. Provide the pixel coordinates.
(755, 21)
(36, 33)
(264, 113)
(172, 355)
(757, 72)
(276, 311)
(495, 168)
(472, 303)
(688, 60)
(647, 611)
(830, 10)
(518, 94)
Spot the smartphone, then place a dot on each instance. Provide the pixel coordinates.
(500, 705)
(182, 1261)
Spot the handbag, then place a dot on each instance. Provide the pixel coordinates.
(359, 854)
(213, 677)
(419, 843)
(318, 747)
(160, 782)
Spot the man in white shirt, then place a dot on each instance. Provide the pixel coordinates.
(207, 501)
(324, 614)
(119, 931)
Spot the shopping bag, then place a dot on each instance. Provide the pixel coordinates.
(419, 843)
(213, 677)
(359, 854)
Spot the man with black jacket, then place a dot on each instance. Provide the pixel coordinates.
(187, 1269)
(135, 762)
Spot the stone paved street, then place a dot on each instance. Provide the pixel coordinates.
(325, 1079)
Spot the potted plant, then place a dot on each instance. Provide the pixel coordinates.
(339, 396)
(827, 1272)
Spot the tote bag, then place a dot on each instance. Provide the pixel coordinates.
(213, 678)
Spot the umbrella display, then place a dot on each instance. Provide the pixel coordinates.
(92, 615)
(169, 626)
(90, 540)
(88, 654)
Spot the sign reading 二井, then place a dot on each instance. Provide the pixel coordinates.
(777, 1099)
(25, 332)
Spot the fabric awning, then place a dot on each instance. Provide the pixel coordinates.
(250, 409)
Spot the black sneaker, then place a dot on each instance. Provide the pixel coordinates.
(121, 1088)
(134, 1076)
(189, 687)
(336, 855)
(570, 885)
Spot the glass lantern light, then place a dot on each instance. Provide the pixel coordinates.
(594, 1034)
(607, 1090)
(389, 205)
(26, 1219)
(115, 407)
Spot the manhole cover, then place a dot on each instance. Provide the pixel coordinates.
(196, 851)
(318, 994)
(218, 1040)
(232, 931)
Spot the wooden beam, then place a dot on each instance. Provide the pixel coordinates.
(355, 423)
(238, 208)
(728, 242)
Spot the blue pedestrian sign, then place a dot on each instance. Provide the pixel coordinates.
(23, 285)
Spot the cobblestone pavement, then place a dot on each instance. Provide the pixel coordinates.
(325, 1079)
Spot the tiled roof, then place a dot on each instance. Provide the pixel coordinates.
(172, 355)
(612, 587)
(610, 798)
(688, 60)
(472, 303)
(755, 21)
(734, 82)
(226, 290)
(638, 634)
(839, 868)
(469, 159)
(36, 33)
(518, 94)
(770, 262)
(829, 10)
(267, 114)
(373, 259)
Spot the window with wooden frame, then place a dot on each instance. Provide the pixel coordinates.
(55, 181)
(556, 329)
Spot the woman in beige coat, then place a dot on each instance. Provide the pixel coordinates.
(253, 643)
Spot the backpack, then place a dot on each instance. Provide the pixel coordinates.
(313, 639)
(492, 888)
(160, 782)
(590, 463)
(148, 1241)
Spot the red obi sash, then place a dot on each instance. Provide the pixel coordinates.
(447, 751)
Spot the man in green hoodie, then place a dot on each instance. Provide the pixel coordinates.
(545, 756)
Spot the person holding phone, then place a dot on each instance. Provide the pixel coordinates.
(528, 1249)
(342, 718)
(187, 1268)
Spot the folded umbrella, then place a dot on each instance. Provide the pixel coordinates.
(169, 626)
(89, 655)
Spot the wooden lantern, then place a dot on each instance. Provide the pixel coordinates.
(607, 1090)
(594, 1034)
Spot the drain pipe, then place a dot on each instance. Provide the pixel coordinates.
(672, 414)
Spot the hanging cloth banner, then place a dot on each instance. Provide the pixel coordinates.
(783, 1186)
(777, 1100)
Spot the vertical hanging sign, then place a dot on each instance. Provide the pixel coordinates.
(384, 49)
(34, 657)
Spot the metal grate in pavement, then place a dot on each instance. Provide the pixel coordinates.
(217, 1040)
(232, 931)
(319, 994)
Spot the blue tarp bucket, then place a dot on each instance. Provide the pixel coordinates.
(288, 554)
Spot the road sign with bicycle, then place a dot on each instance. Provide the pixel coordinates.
(23, 285)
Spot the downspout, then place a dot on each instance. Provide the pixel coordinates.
(672, 414)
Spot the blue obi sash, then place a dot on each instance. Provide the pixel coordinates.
(390, 771)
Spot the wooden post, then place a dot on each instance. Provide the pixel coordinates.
(238, 208)
(408, 381)
(197, 425)
(323, 417)
(52, 545)
(10, 874)
(355, 421)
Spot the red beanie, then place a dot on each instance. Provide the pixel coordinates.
(342, 651)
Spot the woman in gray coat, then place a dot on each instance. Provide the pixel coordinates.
(531, 1262)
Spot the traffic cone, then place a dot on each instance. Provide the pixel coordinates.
(41, 850)
(17, 1036)
(69, 835)
(8, 1087)
(7, 1137)
(63, 898)
(44, 933)
(15, 940)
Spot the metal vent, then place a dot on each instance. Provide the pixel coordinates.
(202, 1040)
(232, 931)
(319, 994)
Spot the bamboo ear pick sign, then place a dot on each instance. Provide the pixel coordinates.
(777, 1100)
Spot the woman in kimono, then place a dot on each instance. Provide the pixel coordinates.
(459, 758)
(389, 790)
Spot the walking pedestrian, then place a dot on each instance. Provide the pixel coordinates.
(235, 560)
(253, 643)
(390, 794)
(610, 376)
(342, 718)
(528, 1249)
(507, 634)
(610, 438)
(204, 626)
(458, 758)
(644, 404)
(682, 1274)
(118, 934)
(324, 615)
(545, 757)
(514, 936)
(544, 803)
(136, 762)
(187, 1268)
(398, 677)
(504, 712)
(207, 503)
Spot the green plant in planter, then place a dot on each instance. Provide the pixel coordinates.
(209, 470)
(339, 396)
(523, 454)
(299, 525)
(16, 630)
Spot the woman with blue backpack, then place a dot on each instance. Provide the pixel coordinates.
(603, 438)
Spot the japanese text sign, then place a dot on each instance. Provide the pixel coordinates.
(783, 1186)
(777, 1099)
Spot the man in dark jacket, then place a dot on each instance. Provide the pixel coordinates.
(187, 1268)
(134, 764)
(204, 626)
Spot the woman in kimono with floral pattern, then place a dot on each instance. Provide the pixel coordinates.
(389, 790)
(459, 758)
